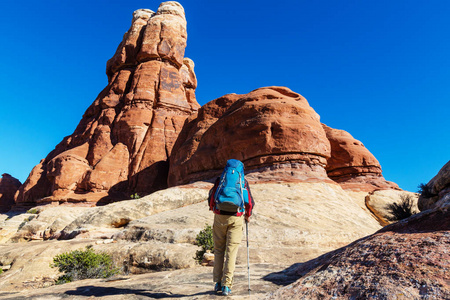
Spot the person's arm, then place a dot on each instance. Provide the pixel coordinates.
(251, 203)
(212, 192)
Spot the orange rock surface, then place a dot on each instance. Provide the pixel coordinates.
(273, 130)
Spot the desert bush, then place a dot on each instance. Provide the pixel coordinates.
(401, 210)
(1, 270)
(425, 191)
(85, 264)
(32, 211)
(27, 219)
(135, 196)
(22, 224)
(204, 239)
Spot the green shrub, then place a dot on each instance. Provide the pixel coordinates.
(32, 211)
(135, 196)
(22, 224)
(27, 219)
(1, 270)
(425, 191)
(204, 239)
(80, 264)
(402, 210)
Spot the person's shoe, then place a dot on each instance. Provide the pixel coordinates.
(218, 287)
(226, 290)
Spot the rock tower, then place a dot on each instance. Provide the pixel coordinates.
(124, 139)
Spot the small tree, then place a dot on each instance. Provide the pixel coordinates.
(425, 191)
(401, 210)
(80, 264)
(204, 239)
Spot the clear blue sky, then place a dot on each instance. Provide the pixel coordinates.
(377, 69)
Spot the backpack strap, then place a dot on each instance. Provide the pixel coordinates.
(242, 192)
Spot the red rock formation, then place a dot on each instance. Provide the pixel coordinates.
(406, 260)
(272, 130)
(8, 187)
(352, 165)
(125, 137)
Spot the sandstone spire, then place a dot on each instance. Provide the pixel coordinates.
(125, 137)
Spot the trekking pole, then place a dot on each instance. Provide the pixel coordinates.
(248, 257)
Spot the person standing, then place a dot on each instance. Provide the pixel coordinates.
(231, 201)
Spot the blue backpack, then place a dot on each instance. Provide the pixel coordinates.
(231, 193)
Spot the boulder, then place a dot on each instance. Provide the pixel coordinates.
(122, 144)
(352, 165)
(273, 130)
(8, 188)
(208, 259)
(378, 203)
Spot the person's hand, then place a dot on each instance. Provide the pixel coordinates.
(247, 218)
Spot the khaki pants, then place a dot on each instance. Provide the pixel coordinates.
(227, 234)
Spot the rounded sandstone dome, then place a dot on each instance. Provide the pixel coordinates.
(264, 128)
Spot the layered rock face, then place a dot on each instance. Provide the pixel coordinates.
(352, 165)
(272, 130)
(437, 191)
(8, 187)
(125, 137)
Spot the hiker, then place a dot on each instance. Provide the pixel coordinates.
(231, 201)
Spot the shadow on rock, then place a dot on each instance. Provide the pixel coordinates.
(98, 291)
(285, 277)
